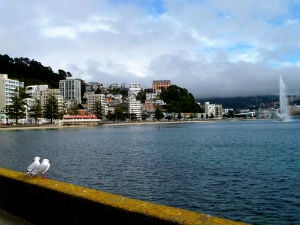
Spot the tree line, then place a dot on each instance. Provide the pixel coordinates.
(17, 110)
(31, 72)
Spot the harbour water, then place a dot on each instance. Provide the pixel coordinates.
(246, 171)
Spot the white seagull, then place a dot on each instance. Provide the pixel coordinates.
(41, 169)
(33, 165)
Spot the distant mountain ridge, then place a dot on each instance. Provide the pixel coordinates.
(251, 102)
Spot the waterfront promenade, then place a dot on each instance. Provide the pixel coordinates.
(45, 201)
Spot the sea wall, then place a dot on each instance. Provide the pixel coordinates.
(44, 201)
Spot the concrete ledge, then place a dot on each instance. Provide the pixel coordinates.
(45, 201)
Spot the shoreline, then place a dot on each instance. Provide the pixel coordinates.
(39, 127)
(56, 126)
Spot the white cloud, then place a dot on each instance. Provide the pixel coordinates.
(212, 48)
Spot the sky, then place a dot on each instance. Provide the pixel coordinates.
(213, 48)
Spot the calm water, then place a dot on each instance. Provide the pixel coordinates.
(246, 171)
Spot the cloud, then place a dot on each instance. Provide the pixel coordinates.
(212, 48)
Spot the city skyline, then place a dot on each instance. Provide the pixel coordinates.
(218, 48)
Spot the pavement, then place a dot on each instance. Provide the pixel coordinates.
(10, 219)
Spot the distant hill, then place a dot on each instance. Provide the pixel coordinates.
(253, 102)
(31, 72)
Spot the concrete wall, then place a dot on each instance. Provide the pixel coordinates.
(45, 201)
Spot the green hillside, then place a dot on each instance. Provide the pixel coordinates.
(31, 72)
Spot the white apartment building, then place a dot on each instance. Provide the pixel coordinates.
(135, 107)
(118, 86)
(33, 91)
(214, 110)
(134, 89)
(70, 89)
(93, 98)
(8, 89)
(151, 96)
(93, 86)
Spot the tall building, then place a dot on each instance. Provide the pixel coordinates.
(135, 107)
(158, 84)
(8, 88)
(70, 89)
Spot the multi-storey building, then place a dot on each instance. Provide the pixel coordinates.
(33, 91)
(70, 89)
(93, 98)
(134, 108)
(44, 95)
(134, 89)
(213, 110)
(8, 88)
(151, 96)
(157, 85)
(118, 86)
(218, 111)
(149, 106)
(93, 86)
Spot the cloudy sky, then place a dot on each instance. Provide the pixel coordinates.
(213, 48)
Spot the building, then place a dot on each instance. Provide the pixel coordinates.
(44, 95)
(33, 91)
(151, 96)
(70, 89)
(213, 110)
(157, 85)
(8, 89)
(150, 105)
(134, 108)
(118, 86)
(134, 89)
(218, 111)
(93, 86)
(3, 117)
(93, 98)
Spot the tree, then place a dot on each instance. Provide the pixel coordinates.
(30, 71)
(111, 116)
(36, 111)
(179, 116)
(179, 100)
(98, 109)
(141, 96)
(145, 115)
(51, 108)
(17, 109)
(73, 110)
(119, 114)
(158, 114)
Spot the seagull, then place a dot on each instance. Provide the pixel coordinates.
(41, 169)
(33, 165)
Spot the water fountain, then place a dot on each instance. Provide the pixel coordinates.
(283, 101)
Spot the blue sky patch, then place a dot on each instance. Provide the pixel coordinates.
(240, 47)
(153, 7)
